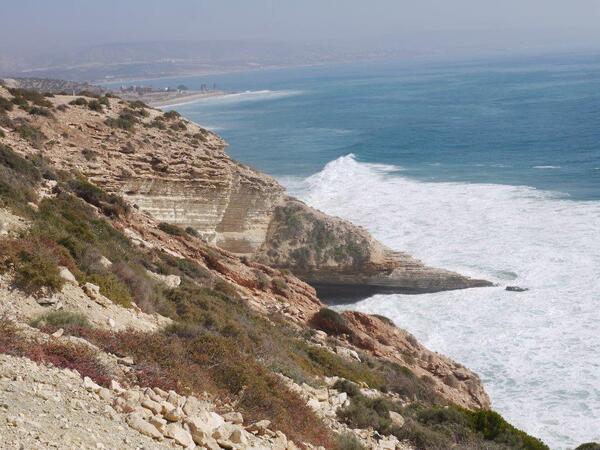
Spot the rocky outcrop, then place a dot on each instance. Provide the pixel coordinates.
(180, 174)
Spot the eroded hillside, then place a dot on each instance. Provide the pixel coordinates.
(154, 314)
(179, 173)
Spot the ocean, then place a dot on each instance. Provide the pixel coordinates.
(488, 167)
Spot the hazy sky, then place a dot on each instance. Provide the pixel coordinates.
(56, 23)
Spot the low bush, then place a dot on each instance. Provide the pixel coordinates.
(192, 231)
(125, 121)
(113, 288)
(178, 126)
(58, 353)
(171, 229)
(348, 441)
(280, 286)
(40, 111)
(25, 95)
(79, 101)
(110, 204)
(35, 264)
(60, 319)
(331, 322)
(170, 115)
(32, 134)
(95, 105)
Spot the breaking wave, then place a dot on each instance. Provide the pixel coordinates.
(536, 351)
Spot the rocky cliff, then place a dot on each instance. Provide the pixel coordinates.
(180, 174)
(138, 317)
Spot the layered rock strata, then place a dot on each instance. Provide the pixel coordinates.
(180, 174)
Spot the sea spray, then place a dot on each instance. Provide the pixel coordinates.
(536, 350)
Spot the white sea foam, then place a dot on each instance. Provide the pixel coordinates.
(536, 351)
(546, 167)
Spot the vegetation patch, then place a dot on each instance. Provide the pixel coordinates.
(35, 264)
(22, 96)
(32, 134)
(59, 354)
(60, 319)
(171, 229)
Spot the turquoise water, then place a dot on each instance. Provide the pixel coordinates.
(489, 168)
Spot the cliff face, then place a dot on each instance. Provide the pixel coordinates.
(180, 174)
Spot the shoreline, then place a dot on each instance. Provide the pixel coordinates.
(170, 99)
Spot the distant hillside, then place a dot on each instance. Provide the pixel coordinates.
(162, 59)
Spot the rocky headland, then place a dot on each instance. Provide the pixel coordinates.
(161, 287)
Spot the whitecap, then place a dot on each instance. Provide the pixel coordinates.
(536, 351)
(546, 167)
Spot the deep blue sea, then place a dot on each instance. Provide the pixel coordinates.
(488, 167)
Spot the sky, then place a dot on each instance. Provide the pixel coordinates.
(55, 24)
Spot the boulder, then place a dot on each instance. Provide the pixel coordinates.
(138, 423)
(259, 427)
(234, 417)
(347, 353)
(396, 419)
(66, 274)
(179, 435)
(153, 406)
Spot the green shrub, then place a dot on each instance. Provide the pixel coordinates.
(589, 446)
(348, 387)
(331, 322)
(169, 115)
(40, 111)
(32, 134)
(367, 413)
(280, 286)
(138, 104)
(192, 231)
(126, 120)
(79, 101)
(60, 319)
(12, 160)
(110, 204)
(35, 264)
(22, 96)
(2, 134)
(95, 105)
(178, 126)
(171, 229)
(348, 441)
(113, 288)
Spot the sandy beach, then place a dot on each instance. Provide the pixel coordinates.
(168, 99)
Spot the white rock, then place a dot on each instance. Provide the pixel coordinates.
(66, 274)
(58, 333)
(146, 428)
(347, 353)
(259, 427)
(104, 262)
(179, 435)
(92, 290)
(89, 385)
(111, 322)
(397, 419)
(234, 417)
